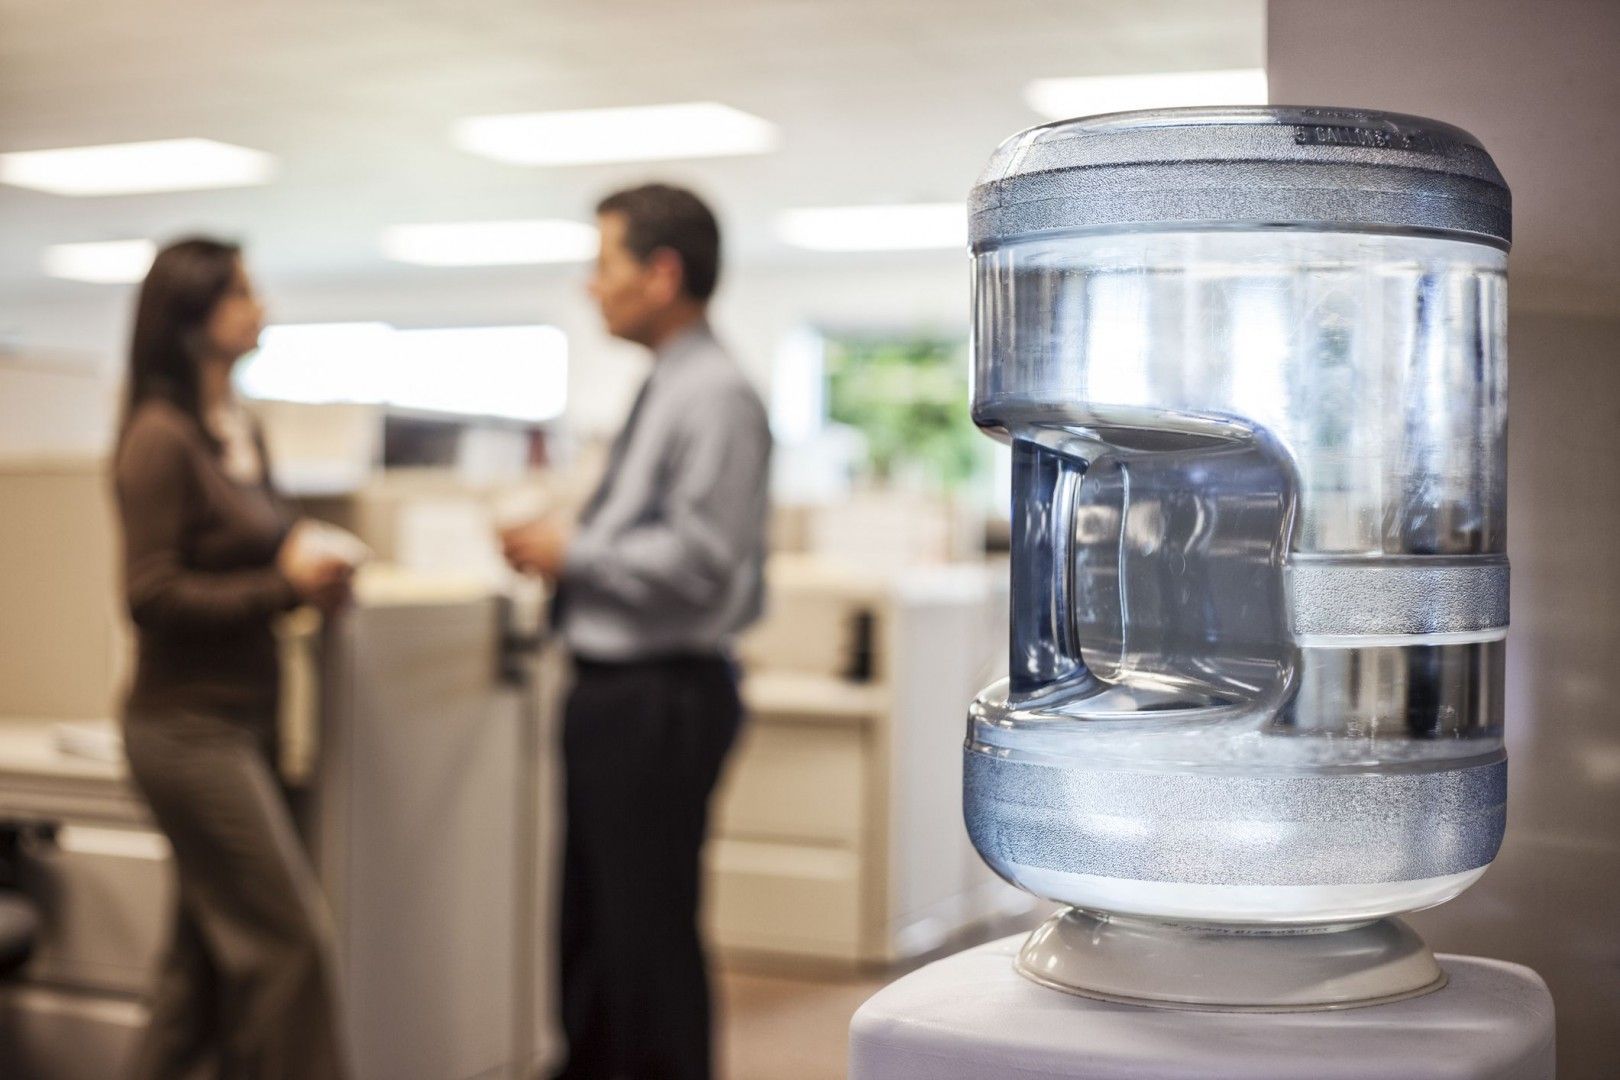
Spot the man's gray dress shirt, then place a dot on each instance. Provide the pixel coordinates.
(670, 552)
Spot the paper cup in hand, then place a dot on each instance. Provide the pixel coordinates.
(516, 508)
(318, 540)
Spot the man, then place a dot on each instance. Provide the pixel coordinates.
(662, 570)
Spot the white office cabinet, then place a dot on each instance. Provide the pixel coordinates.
(837, 833)
(422, 807)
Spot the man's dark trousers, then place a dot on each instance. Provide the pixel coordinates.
(643, 743)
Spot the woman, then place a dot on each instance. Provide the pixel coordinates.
(210, 558)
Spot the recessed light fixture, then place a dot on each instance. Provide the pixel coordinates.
(111, 262)
(490, 243)
(695, 129)
(906, 227)
(137, 168)
(1059, 99)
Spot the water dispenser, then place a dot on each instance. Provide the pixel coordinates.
(1251, 364)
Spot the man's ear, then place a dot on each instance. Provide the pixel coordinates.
(668, 274)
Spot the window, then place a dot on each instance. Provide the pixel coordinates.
(510, 372)
(908, 398)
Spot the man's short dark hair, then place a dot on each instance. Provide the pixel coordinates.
(662, 216)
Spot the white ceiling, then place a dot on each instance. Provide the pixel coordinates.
(878, 101)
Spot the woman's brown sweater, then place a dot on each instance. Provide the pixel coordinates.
(199, 568)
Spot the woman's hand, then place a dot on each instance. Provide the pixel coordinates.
(333, 586)
(322, 580)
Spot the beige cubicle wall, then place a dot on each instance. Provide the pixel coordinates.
(63, 645)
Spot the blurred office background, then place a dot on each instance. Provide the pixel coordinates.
(414, 184)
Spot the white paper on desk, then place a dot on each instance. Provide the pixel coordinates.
(93, 741)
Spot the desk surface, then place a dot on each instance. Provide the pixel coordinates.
(29, 747)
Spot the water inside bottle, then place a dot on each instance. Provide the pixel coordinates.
(1151, 615)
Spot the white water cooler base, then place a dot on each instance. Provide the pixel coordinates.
(972, 1017)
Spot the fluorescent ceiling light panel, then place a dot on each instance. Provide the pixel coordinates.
(1060, 99)
(137, 168)
(491, 243)
(696, 129)
(112, 262)
(909, 227)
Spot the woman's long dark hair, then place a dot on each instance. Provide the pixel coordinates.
(186, 282)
